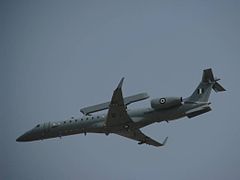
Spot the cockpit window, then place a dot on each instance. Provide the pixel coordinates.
(38, 125)
(55, 125)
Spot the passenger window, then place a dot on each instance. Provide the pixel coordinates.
(38, 125)
(75, 120)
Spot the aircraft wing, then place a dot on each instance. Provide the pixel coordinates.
(142, 138)
(117, 114)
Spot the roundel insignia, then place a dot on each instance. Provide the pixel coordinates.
(162, 100)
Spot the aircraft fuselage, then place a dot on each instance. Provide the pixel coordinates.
(128, 122)
(96, 123)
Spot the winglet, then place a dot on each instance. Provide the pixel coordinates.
(120, 84)
(165, 141)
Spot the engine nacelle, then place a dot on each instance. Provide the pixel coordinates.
(166, 102)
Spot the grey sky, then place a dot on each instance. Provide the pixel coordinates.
(59, 56)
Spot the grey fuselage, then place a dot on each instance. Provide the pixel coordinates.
(95, 123)
(125, 122)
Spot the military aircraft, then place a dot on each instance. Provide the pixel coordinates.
(128, 122)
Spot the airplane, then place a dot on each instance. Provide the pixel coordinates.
(127, 122)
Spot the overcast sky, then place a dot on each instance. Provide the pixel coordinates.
(59, 56)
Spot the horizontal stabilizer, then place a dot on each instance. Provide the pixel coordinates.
(127, 100)
(217, 87)
(209, 78)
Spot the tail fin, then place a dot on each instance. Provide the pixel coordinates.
(203, 91)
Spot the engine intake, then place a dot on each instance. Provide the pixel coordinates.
(166, 102)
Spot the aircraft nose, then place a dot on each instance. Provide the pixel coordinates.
(24, 137)
(21, 138)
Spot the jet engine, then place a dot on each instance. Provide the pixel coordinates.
(166, 102)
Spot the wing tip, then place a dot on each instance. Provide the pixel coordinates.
(165, 141)
(120, 83)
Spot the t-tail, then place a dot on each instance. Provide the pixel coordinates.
(203, 91)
